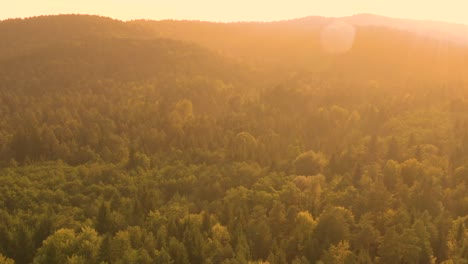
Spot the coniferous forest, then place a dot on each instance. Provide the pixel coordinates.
(196, 142)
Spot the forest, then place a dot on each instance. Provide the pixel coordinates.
(196, 142)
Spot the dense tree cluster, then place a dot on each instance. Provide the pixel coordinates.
(122, 147)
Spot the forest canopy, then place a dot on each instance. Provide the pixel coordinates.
(196, 142)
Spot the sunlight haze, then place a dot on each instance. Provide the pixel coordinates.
(241, 10)
(217, 131)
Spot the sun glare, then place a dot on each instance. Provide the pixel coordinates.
(337, 37)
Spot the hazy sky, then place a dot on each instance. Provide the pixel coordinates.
(239, 10)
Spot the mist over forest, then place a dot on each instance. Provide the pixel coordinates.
(311, 140)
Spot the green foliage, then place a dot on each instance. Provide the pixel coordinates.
(5, 260)
(65, 246)
(458, 240)
(120, 146)
(310, 163)
(339, 254)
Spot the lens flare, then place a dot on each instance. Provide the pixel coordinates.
(337, 37)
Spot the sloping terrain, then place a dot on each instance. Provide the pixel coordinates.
(195, 142)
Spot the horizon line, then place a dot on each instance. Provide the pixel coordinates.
(235, 21)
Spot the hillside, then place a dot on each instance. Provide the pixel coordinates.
(64, 64)
(443, 31)
(74, 48)
(195, 142)
(380, 50)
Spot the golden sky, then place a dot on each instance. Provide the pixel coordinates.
(239, 10)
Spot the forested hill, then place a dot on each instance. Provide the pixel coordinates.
(379, 51)
(87, 60)
(444, 31)
(275, 50)
(59, 52)
(22, 36)
(195, 142)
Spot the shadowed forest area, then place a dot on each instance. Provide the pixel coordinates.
(198, 142)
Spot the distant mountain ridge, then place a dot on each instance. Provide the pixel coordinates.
(58, 52)
(440, 30)
(383, 49)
